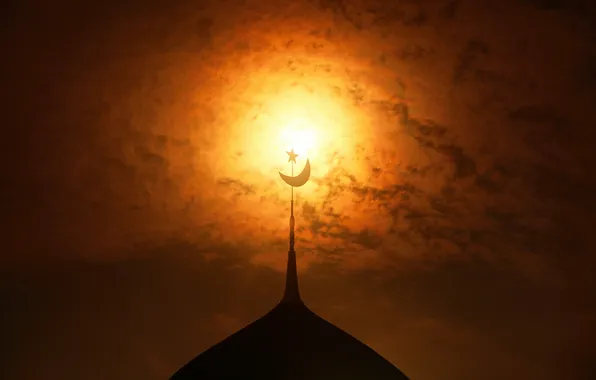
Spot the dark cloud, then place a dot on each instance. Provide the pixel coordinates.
(163, 311)
(468, 58)
(449, 10)
(239, 187)
(124, 319)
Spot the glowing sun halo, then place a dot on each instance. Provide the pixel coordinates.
(314, 125)
(315, 122)
(299, 134)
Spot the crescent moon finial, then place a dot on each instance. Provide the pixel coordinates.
(300, 179)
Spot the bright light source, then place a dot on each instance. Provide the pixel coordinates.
(318, 125)
(299, 134)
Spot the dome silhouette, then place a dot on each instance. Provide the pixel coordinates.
(290, 342)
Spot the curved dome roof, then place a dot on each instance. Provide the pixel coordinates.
(290, 342)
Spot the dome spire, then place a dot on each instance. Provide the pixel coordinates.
(291, 293)
(290, 341)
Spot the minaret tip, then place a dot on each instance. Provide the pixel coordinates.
(291, 293)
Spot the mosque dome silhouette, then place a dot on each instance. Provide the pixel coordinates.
(290, 342)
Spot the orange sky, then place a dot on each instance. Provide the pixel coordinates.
(447, 220)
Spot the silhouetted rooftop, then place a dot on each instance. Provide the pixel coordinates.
(290, 342)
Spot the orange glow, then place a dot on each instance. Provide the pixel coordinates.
(305, 122)
(310, 124)
(309, 118)
(299, 134)
(268, 103)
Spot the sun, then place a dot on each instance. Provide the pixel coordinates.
(299, 134)
(315, 122)
(310, 124)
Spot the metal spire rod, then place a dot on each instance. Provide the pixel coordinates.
(291, 293)
(292, 215)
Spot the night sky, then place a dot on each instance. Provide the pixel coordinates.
(448, 223)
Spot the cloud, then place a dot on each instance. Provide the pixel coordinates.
(239, 187)
(148, 133)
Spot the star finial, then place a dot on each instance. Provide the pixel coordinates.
(292, 156)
